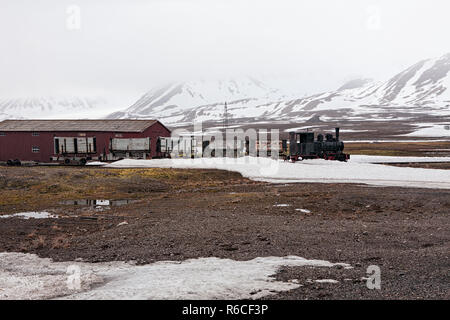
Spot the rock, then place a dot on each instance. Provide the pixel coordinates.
(122, 223)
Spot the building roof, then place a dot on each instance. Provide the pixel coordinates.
(77, 125)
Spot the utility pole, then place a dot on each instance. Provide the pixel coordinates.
(225, 117)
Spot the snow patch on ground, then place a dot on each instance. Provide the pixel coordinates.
(26, 276)
(303, 128)
(326, 281)
(31, 215)
(96, 163)
(390, 159)
(359, 170)
(431, 130)
(396, 141)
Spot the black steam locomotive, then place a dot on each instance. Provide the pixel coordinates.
(302, 145)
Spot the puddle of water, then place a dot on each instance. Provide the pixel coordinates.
(31, 215)
(97, 203)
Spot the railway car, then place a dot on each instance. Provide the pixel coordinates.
(74, 150)
(179, 147)
(197, 146)
(136, 148)
(303, 145)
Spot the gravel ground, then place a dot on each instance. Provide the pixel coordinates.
(403, 231)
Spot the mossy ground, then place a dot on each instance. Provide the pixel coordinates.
(399, 149)
(38, 188)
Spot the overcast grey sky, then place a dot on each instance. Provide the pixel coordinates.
(128, 46)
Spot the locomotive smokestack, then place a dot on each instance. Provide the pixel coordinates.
(337, 134)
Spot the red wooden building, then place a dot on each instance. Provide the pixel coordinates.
(56, 140)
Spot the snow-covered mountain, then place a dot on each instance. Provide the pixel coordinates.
(423, 88)
(51, 107)
(204, 100)
(5, 116)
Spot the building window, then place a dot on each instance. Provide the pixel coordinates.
(35, 149)
(35, 134)
(2, 134)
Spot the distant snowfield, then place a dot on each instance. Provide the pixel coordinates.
(26, 276)
(360, 169)
(319, 126)
(431, 130)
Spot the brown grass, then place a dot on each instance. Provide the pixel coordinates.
(40, 188)
(419, 149)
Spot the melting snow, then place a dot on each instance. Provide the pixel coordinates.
(96, 163)
(395, 140)
(357, 170)
(30, 215)
(26, 276)
(327, 281)
(390, 159)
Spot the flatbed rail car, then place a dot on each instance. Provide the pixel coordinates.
(135, 148)
(79, 150)
(303, 145)
(197, 146)
(179, 147)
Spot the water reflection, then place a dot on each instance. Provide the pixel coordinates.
(97, 203)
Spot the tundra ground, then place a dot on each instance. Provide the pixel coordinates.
(182, 214)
